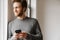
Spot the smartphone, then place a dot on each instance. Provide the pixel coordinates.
(17, 31)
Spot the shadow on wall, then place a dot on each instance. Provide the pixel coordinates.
(41, 14)
(10, 11)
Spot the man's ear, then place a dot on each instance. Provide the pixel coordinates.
(24, 9)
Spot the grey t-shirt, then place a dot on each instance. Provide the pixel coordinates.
(29, 25)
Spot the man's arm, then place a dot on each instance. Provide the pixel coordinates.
(38, 35)
(9, 33)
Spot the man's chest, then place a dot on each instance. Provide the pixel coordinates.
(26, 27)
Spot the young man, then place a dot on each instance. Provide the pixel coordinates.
(29, 27)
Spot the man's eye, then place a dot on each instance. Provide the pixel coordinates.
(16, 7)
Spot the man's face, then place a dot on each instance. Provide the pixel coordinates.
(17, 9)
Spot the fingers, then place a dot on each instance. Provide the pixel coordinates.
(22, 35)
(15, 35)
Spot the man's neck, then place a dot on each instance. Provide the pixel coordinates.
(21, 17)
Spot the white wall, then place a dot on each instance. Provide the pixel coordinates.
(33, 8)
(48, 14)
(3, 19)
(1, 26)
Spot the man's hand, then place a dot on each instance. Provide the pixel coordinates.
(15, 36)
(22, 35)
(19, 35)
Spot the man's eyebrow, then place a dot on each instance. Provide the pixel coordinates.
(16, 7)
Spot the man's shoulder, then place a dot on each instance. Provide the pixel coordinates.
(33, 19)
(12, 21)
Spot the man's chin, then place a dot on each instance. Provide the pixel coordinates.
(16, 15)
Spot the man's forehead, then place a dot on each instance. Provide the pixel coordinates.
(16, 4)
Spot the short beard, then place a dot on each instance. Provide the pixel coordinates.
(20, 14)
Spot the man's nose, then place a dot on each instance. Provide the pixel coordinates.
(15, 10)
